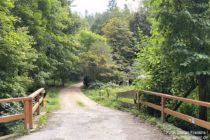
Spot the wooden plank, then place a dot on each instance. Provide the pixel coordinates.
(38, 109)
(189, 119)
(9, 100)
(127, 94)
(195, 102)
(163, 104)
(11, 118)
(41, 100)
(35, 107)
(39, 91)
(154, 106)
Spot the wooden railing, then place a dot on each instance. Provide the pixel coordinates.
(30, 108)
(162, 107)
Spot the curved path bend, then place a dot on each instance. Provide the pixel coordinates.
(82, 119)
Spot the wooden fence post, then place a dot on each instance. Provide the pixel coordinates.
(26, 111)
(28, 116)
(107, 92)
(37, 100)
(163, 103)
(138, 96)
(43, 95)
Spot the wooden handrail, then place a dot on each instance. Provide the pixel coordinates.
(11, 118)
(195, 102)
(29, 109)
(165, 111)
(162, 107)
(10, 100)
(36, 93)
(126, 94)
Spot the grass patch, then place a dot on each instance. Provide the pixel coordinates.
(20, 129)
(107, 96)
(42, 120)
(100, 96)
(51, 103)
(81, 104)
(52, 100)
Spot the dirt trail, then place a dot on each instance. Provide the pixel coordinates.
(82, 119)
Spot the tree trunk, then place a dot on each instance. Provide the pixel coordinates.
(63, 82)
(203, 84)
(54, 82)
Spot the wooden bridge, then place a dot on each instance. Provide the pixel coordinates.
(29, 108)
(38, 97)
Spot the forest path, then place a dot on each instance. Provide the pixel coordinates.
(82, 119)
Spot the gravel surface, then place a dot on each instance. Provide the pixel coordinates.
(82, 119)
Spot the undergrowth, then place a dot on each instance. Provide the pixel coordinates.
(52, 100)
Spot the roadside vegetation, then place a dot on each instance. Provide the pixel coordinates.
(106, 95)
(51, 100)
(51, 103)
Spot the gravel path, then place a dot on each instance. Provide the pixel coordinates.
(92, 122)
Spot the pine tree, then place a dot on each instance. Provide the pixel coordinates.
(112, 4)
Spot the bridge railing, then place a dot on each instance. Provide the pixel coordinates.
(31, 104)
(162, 107)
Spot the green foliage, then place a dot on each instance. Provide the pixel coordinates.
(121, 39)
(98, 21)
(96, 59)
(37, 43)
(16, 54)
(53, 28)
(52, 100)
(106, 95)
(88, 38)
(42, 120)
(174, 57)
(187, 34)
(114, 25)
(140, 21)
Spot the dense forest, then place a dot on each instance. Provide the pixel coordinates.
(164, 46)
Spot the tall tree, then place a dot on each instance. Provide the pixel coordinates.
(185, 27)
(140, 21)
(112, 4)
(53, 26)
(16, 54)
(96, 59)
(121, 39)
